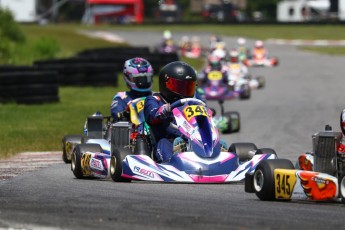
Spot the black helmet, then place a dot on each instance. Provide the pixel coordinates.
(177, 80)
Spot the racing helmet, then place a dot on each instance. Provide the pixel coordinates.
(241, 41)
(214, 61)
(259, 44)
(167, 34)
(138, 74)
(234, 56)
(221, 53)
(177, 80)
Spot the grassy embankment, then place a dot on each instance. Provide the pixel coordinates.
(41, 127)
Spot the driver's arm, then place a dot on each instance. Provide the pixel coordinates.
(151, 110)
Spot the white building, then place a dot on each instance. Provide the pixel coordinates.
(307, 10)
(22, 10)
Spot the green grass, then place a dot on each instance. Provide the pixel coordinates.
(251, 31)
(41, 127)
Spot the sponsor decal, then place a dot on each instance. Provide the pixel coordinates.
(316, 187)
(96, 164)
(144, 171)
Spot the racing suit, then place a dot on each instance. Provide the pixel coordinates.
(120, 101)
(163, 135)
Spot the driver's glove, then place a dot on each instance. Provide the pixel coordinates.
(123, 116)
(164, 111)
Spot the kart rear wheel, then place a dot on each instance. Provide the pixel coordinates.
(77, 154)
(243, 150)
(67, 146)
(263, 178)
(116, 161)
(233, 122)
(342, 187)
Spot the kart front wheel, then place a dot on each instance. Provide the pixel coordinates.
(77, 154)
(68, 142)
(233, 123)
(263, 178)
(116, 161)
(243, 150)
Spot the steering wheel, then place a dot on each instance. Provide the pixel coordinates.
(190, 101)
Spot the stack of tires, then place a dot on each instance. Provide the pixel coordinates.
(100, 67)
(82, 71)
(28, 85)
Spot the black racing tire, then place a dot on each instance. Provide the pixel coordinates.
(261, 80)
(30, 77)
(266, 150)
(233, 122)
(77, 154)
(30, 90)
(245, 92)
(263, 178)
(341, 185)
(117, 157)
(242, 150)
(66, 140)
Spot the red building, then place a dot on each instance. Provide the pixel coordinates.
(114, 11)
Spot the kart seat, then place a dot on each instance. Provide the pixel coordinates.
(95, 127)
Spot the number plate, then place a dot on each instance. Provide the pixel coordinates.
(214, 76)
(194, 110)
(284, 182)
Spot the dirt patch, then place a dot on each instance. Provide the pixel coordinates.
(27, 162)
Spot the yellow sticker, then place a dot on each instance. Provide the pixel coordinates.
(284, 183)
(134, 111)
(140, 105)
(214, 75)
(195, 110)
(85, 164)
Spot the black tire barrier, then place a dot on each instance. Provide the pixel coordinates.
(113, 51)
(75, 73)
(28, 85)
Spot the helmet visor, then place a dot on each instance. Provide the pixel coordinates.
(142, 82)
(183, 88)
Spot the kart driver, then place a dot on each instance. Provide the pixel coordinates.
(235, 63)
(242, 49)
(214, 63)
(259, 48)
(137, 73)
(177, 80)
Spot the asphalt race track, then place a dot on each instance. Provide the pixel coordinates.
(302, 95)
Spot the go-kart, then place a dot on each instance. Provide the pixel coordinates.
(91, 158)
(317, 176)
(239, 80)
(166, 48)
(215, 89)
(203, 162)
(260, 59)
(96, 127)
